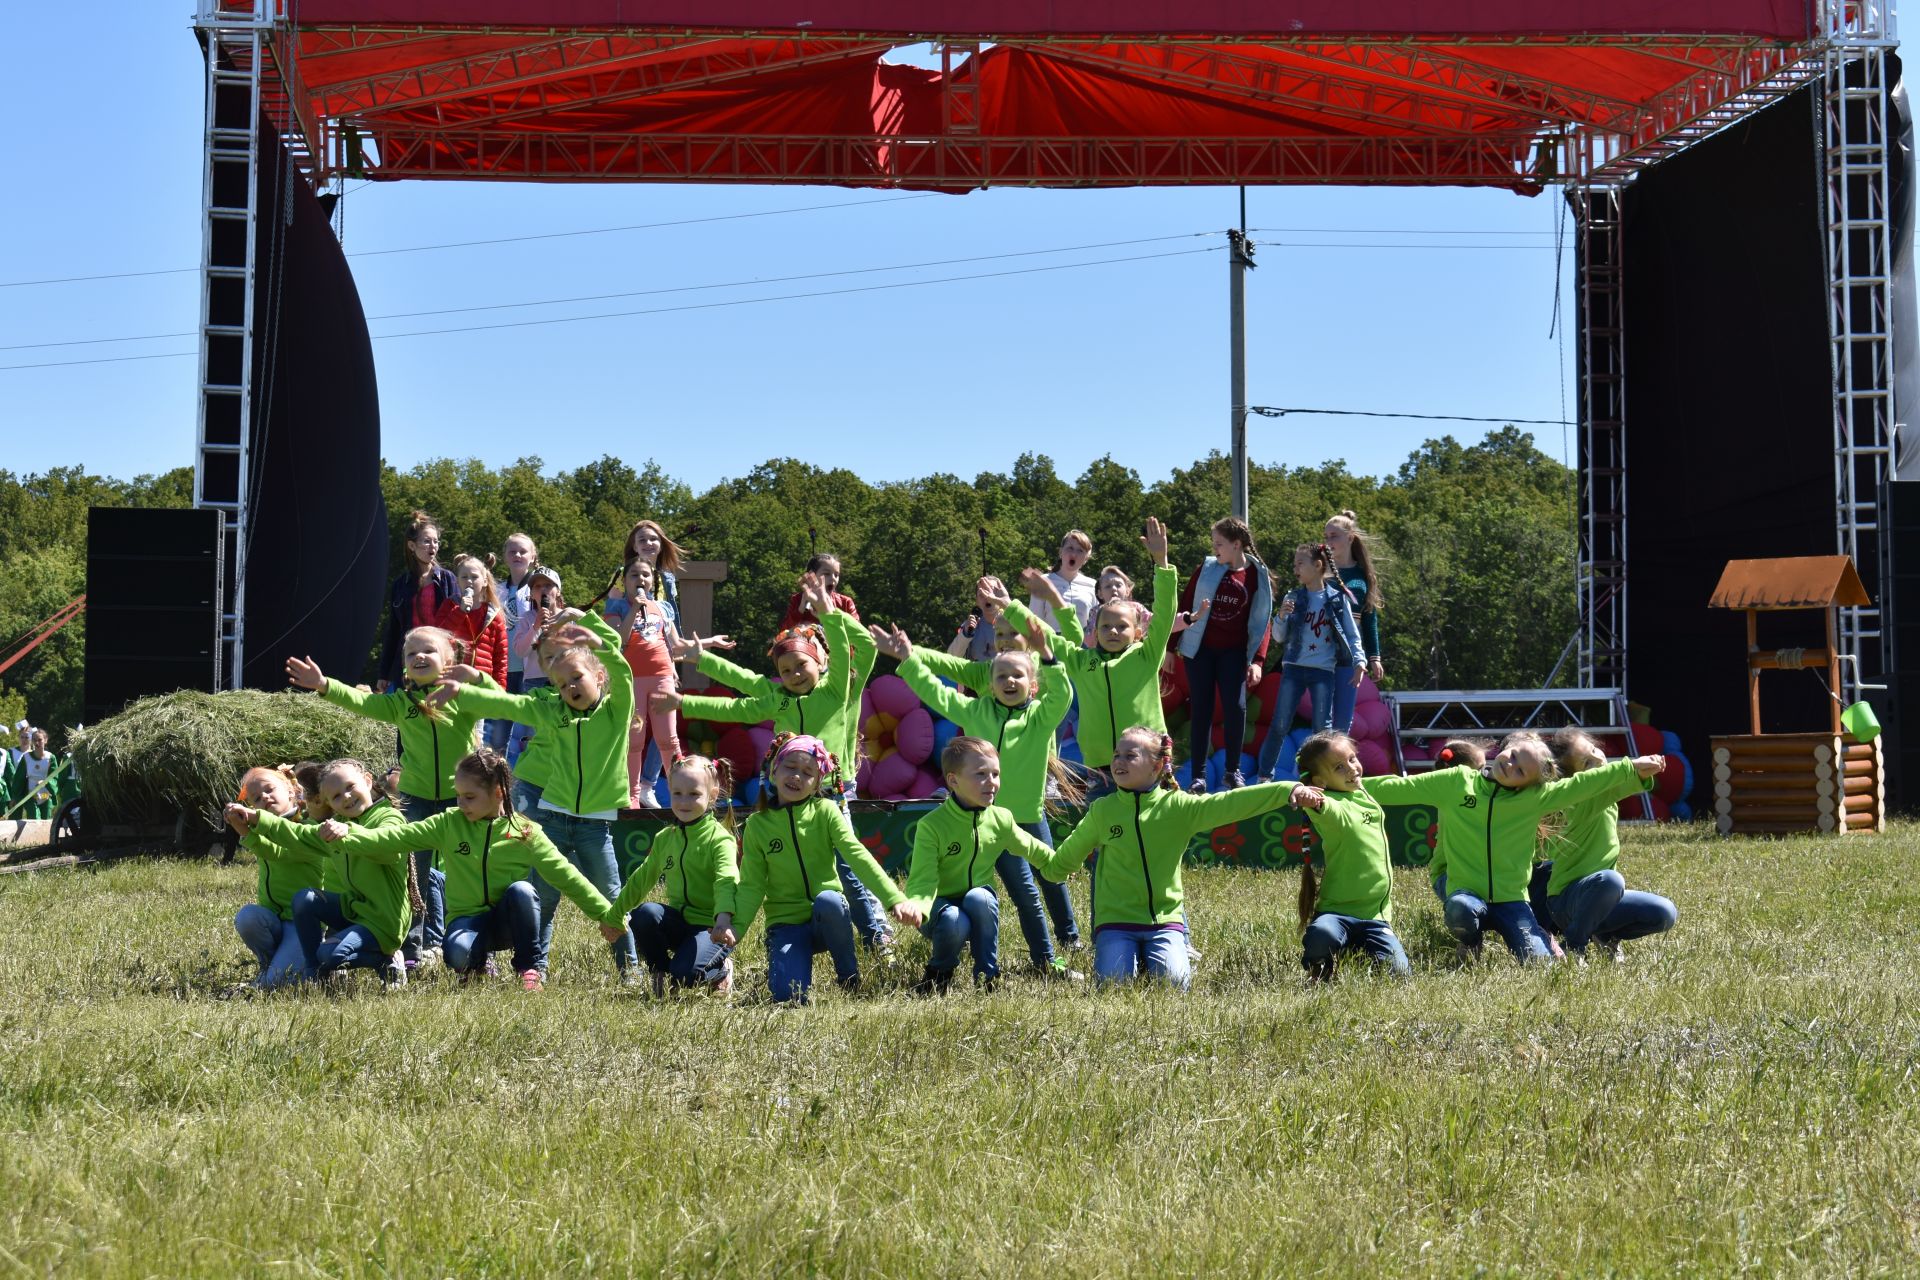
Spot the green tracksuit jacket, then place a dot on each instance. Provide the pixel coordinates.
(283, 870)
(1358, 880)
(374, 885)
(954, 850)
(1591, 841)
(1023, 735)
(1142, 837)
(1490, 831)
(481, 859)
(1117, 690)
(700, 861)
(786, 858)
(586, 751)
(829, 712)
(430, 745)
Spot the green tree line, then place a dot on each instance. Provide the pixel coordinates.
(1475, 542)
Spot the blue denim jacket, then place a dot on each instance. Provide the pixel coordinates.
(1293, 638)
(1259, 610)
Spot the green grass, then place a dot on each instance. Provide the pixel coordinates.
(1739, 1097)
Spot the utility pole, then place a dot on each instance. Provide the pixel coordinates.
(1239, 262)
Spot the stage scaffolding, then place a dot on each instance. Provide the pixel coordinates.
(418, 121)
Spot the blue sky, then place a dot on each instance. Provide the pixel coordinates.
(1445, 306)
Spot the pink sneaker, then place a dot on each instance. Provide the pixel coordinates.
(532, 980)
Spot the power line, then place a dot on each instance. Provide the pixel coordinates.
(699, 306)
(1389, 231)
(1267, 411)
(645, 293)
(467, 244)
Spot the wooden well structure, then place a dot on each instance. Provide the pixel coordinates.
(1780, 783)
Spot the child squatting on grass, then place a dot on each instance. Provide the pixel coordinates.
(1352, 908)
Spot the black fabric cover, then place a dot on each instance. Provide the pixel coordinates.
(1729, 417)
(316, 568)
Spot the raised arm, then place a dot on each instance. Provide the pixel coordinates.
(391, 844)
(940, 699)
(1166, 594)
(1224, 808)
(1618, 780)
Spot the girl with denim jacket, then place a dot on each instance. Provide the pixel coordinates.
(1315, 632)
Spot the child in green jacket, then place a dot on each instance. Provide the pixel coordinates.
(950, 880)
(821, 672)
(1024, 701)
(1489, 823)
(36, 778)
(363, 925)
(434, 734)
(581, 717)
(487, 850)
(1352, 908)
(789, 862)
(1586, 895)
(1142, 831)
(697, 856)
(265, 925)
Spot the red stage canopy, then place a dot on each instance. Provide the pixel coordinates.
(1070, 93)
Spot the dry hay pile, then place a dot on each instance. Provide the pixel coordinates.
(183, 753)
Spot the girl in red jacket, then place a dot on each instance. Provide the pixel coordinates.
(477, 619)
(648, 639)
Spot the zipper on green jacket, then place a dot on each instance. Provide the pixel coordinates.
(1146, 872)
(684, 842)
(486, 846)
(976, 850)
(793, 826)
(580, 770)
(1491, 797)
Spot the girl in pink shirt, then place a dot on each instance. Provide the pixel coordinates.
(649, 639)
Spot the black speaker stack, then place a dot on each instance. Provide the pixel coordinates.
(153, 604)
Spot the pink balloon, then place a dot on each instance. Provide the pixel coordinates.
(736, 746)
(1304, 710)
(914, 735)
(863, 781)
(893, 775)
(1372, 720)
(893, 696)
(1368, 692)
(762, 737)
(1414, 751)
(925, 783)
(1374, 758)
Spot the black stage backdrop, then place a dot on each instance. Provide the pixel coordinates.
(316, 565)
(1729, 416)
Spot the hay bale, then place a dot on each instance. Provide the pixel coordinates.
(183, 753)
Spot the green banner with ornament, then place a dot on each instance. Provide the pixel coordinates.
(1269, 842)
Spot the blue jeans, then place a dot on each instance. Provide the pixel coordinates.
(517, 737)
(274, 943)
(497, 733)
(1121, 954)
(1295, 680)
(1468, 917)
(792, 947)
(430, 929)
(350, 946)
(1330, 934)
(1059, 902)
(588, 844)
(869, 921)
(667, 941)
(1345, 694)
(513, 921)
(1222, 672)
(972, 919)
(1440, 887)
(1601, 906)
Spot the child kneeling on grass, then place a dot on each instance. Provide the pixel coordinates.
(486, 850)
(698, 855)
(956, 848)
(788, 864)
(265, 925)
(370, 914)
(1585, 893)
(1352, 908)
(1142, 831)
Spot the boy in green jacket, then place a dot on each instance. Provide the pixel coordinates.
(816, 692)
(950, 881)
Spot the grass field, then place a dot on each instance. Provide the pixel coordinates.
(1740, 1097)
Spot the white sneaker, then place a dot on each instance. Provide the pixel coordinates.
(395, 975)
(646, 800)
(430, 958)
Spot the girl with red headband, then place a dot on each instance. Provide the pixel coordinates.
(1315, 633)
